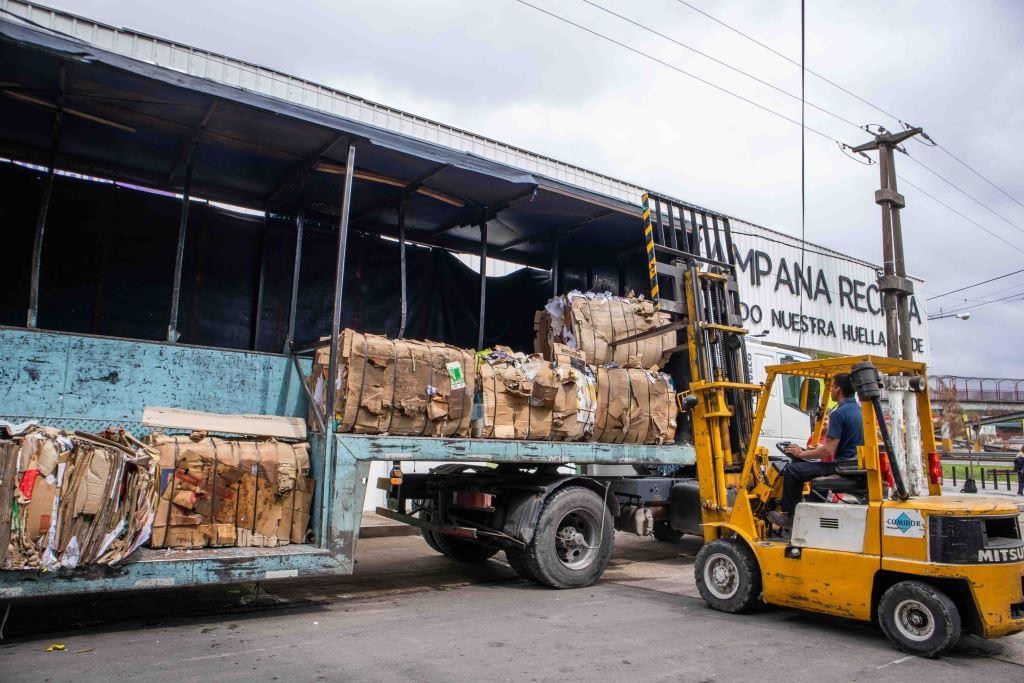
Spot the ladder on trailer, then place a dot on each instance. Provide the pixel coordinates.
(692, 268)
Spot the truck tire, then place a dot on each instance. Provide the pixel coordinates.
(518, 561)
(573, 541)
(664, 532)
(728, 576)
(459, 549)
(428, 536)
(919, 619)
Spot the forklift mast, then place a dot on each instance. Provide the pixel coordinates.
(692, 268)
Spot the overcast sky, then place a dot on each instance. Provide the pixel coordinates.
(501, 69)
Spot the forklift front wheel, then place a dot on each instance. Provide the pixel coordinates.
(919, 619)
(728, 576)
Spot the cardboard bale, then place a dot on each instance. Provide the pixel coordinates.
(401, 387)
(85, 498)
(231, 492)
(39, 511)
(589, 322)
(574, 409)
(634, 405)
(518, 395)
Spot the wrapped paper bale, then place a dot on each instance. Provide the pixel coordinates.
(231, 492)
(634, 405)
(400, 387)
(590, 322)
(518, 395)
(572, 417)
(82, 499)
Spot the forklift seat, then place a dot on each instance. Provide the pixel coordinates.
(847, 479)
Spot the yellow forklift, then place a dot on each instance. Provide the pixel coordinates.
(927, 568)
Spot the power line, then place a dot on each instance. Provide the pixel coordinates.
(1016, 296)
(966, 194)
(977, 173)
(681, 44)
(762, 107)
(969, 220)
(682, 71)
(803, 157)
(801, 97)
(787, 58)
(848, 92)
(976, 284)
(958, 301)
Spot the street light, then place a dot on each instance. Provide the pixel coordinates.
(958, 316)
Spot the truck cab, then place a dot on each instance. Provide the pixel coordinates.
(783, 420)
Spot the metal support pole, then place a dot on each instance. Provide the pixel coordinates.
(172, 326)
(554, 267)
(402, 268)
(44, 205)
(483, 282)
(260, 280)
(293, 304)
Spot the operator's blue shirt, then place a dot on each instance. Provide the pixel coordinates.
(845, 424)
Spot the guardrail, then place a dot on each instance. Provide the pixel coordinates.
(986, 476)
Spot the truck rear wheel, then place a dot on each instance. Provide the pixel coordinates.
(919, 619)
(517, 559)
(728, 576)
(573, 541)
(458, 548)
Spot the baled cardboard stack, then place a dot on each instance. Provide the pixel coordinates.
(80, 498)
(590, 322)
(634, 405)
(575, 407)
(518, 395)
(417, 388)
(231, 492)
(398, 386)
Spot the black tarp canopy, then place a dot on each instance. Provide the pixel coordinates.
(138, 124)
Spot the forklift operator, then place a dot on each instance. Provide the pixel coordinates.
(845, 433)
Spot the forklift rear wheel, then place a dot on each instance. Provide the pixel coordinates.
(728, 576)
(573, 541)
(919, 619)
(664, 532)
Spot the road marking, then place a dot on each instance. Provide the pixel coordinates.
(895, 661)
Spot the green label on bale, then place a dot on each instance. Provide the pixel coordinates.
(455, 373)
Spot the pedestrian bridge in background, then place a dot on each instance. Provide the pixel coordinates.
(986, 395)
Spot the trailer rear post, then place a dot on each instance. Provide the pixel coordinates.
(402, 266)
(293, 304)
(554, 264)
(483, 278)
(172, 326)
(260, 279)
(332, 374)
(44, 204)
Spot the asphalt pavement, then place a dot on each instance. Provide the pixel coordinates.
(409, 614)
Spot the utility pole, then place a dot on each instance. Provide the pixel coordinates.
(896, 289)
(894, 285)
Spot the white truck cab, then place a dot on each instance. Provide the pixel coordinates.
(783, 420)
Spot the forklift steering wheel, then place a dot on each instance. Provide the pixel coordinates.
(782, 446)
